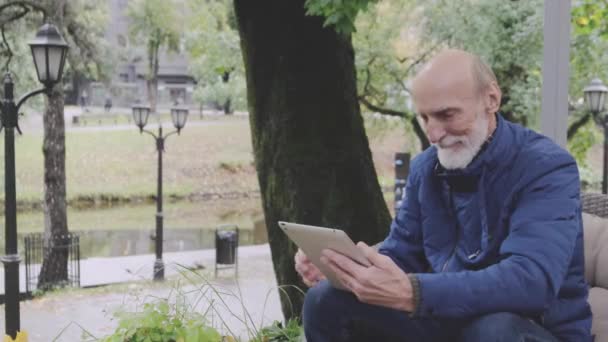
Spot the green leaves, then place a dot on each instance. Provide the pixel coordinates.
(160, 322)
(214, 44)
(291, 332)
(340, 14)
(590, 16)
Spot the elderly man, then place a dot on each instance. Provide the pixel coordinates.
(487, 245)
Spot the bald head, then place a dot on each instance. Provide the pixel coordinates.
(454, 68)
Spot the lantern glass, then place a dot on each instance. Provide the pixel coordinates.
(595, 96)
(49, 51)
(39, 53)
(179, 115)
(56, 58)
(140, 116)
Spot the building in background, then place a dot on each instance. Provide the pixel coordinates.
(127, 82)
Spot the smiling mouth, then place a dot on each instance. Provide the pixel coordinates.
(452, 145)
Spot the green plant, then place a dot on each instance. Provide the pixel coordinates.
(161, 322)
(291, 332)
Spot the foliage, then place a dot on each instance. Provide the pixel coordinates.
(388, 51)
(191, 314)
(84, 30)
(589, 43)
(508, 35)
(160, 322)
(213, 42)
(21, 64)
(580, 144)
(589, 16)
(291, 332)
(154, 24)
(84, 23)
(340, 14)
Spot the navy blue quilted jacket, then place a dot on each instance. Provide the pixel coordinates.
(510, 241)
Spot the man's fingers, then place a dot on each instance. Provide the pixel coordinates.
(348, 281)
(372, 254)
(343, 262)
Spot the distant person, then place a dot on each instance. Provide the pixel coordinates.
(84, 100)
(108, 104)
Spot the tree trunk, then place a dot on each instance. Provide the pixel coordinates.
(312, 156)
(153, 78)
(54, 266)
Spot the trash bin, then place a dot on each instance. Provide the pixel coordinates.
(226, 246)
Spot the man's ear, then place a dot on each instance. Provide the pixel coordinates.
(493, 98)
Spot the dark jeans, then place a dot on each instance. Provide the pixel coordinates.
(335, 315)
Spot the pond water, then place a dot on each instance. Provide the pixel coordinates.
(133, 242)
(129, 229)
(111, 243)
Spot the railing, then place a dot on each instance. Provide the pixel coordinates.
(37, 247)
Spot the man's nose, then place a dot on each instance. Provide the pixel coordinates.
(435, 131)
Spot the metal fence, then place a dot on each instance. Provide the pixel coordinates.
(37, 247)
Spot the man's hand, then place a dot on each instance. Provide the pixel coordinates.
(383, 283)
(310, 274)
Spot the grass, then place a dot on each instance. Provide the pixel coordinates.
(123, 163)
(214, 157)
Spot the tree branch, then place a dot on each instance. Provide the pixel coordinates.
(24, 4)
(9, 52)
(424, 142)
(576, 125)
(382, 110)
(14, 17)
(25, 8)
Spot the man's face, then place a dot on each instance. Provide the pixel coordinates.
(454, 120)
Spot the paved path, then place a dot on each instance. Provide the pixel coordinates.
(251, 297)
(112, 270)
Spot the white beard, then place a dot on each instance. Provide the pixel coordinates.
(460, 156)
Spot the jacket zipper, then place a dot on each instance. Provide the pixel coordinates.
(452, 216)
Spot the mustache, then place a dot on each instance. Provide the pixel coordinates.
(450, 140)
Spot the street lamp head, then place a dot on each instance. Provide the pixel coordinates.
(179, 115)
(49, 51)
(140, 115)
(595, 96)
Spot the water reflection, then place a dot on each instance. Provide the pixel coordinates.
(110, 243)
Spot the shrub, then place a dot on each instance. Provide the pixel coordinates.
(158, 322)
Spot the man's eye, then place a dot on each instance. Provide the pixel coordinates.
(446, 116)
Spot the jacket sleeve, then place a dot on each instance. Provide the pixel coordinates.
(404, 242)
(534, 257)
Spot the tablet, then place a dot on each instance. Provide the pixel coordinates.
(313, 240)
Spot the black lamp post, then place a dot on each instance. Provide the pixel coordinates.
(49, 51)
(595, 97)
(140, 117)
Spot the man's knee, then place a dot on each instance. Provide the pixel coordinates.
(501, 326)
(320, 301)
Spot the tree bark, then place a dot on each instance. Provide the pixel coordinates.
(153, 76)
(54, 267)
(55, 264)
(312, 155)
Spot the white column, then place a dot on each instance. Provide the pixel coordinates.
(556, 70)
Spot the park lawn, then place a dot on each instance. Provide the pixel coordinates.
(215, 157)
(123, 163)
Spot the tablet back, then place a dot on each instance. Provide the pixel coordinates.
(313, 240)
